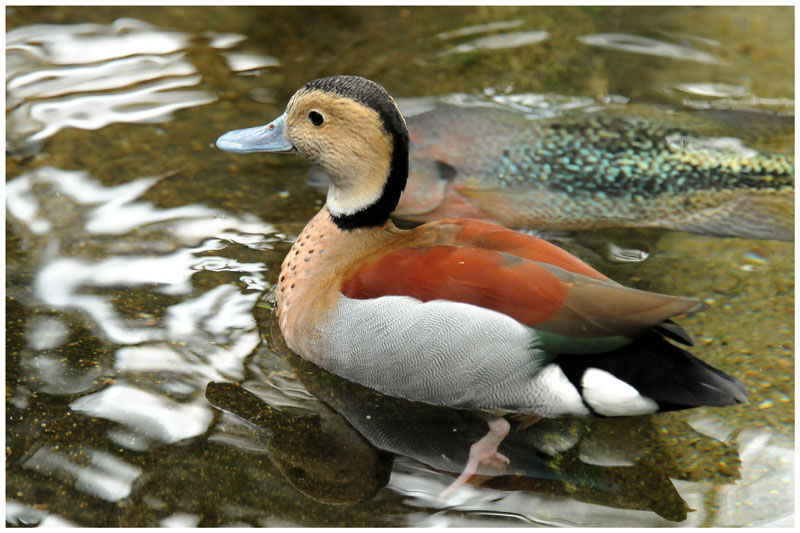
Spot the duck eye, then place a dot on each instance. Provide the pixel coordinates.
(316, 118)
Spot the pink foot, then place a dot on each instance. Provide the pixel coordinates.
(484, 454)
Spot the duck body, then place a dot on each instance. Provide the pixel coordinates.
(628, 167)
(459, 312)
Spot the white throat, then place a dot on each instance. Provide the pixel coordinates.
(355, 197)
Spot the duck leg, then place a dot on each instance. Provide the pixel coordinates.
(525, 420)
(484, 453)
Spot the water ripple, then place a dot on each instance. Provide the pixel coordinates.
(105, 475)
(21, 515)
(94, 253)
(108, 75)
(160, 417)
(88, 43)
(501, 41)
(713, 90)
(223, 40)
(480, 28)
(239, 62)
(644, 45)
(90, 75)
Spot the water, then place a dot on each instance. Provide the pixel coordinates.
(140, 263)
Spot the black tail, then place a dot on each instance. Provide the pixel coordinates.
(661, 371)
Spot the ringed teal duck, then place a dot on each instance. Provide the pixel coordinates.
(459, 312)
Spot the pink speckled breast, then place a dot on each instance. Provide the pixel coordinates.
(303, 259)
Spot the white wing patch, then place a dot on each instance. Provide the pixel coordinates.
(552, 378)
(610, 396)
(444, 353)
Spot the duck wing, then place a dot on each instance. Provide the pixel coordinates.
(526, 278)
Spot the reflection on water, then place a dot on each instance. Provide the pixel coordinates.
(715, 90)
(194, 231)
(245, 62)
(223, 40)
(97, 472)
(147, 413)
(151, 386)
(561, 464)
(89, 43)
(503, 40)
(55, 74)
(481, 28)
(23, 515)
(766, 491)
(146, 380)
(644, 45)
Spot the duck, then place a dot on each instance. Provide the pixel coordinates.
(460, 313)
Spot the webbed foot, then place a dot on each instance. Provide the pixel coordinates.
(483, 454)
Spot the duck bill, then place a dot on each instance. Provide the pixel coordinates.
(267, 138)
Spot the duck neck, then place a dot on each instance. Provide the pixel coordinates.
(375, 203)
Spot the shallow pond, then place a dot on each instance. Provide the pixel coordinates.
(146, 380)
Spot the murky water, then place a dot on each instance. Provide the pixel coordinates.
(146, 380)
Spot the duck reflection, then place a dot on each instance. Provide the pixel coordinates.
(316, 450)
(341, 450)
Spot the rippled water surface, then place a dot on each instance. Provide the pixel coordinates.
(146, 380)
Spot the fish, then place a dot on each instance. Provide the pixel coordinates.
(630, 166)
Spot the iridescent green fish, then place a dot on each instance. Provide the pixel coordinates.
(629, 166)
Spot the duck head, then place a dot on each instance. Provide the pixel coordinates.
(350, 127)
